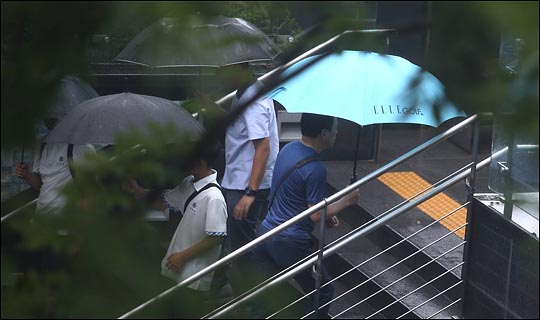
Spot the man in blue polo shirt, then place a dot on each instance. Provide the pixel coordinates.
(293, 191)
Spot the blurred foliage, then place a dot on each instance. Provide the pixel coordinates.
(101, 258)
(464, 55)
(40, 44)
(274, 18)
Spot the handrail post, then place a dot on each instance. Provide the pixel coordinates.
(508, 181)
(318, 267)
(470, 183)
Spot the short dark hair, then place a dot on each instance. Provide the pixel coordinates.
(210, 152)
(236, 76)
(233, 70)
(50, 123)
(311, 125)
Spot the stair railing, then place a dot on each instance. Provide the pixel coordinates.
(391, 247)
(370, 228)
(16, 211)
(319, 206)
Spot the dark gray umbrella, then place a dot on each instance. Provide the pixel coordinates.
(71, 91)
(99, 120)
(213, 42)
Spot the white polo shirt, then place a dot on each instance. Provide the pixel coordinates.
(206, 215)
(256, 122)
(52, 166)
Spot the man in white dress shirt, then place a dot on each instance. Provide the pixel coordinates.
(251, 148)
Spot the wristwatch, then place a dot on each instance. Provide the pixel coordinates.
(250, 192)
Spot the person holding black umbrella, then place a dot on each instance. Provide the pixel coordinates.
(53, 162)
(52, 170)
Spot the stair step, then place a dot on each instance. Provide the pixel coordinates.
(337, 264)
(365, 248)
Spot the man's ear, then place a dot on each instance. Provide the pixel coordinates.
(324, 132)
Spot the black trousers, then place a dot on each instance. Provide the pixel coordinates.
(240, 232)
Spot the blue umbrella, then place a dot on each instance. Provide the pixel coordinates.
(366, 88)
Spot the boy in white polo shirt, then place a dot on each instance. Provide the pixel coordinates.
(198, 239)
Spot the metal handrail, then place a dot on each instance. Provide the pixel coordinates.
(435, 296)
(373, 257)
(405, 202)
(367, 223)
(361, 233)
(20, 209)
(448, 306)
(425, 284)
(392, 266)
(315, 208)
(396, 281)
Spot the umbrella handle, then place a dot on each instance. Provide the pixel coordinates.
(22, 160)
(354, 177)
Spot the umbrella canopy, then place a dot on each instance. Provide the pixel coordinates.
(99, 120)
(366, 88)
(220, 41)
(71, 91)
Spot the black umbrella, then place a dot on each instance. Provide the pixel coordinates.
(71, 91)
(212, 42)
(99, 120)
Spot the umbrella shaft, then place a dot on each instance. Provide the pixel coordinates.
(354, 176)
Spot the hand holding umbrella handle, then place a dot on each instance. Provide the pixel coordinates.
(21, 169)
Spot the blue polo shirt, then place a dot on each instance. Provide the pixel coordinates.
(305, 185)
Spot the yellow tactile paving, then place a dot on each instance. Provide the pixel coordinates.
(407, 184)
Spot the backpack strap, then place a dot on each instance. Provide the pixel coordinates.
(196, 193)
(41, 147)
(70, 160)
(299, 164)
